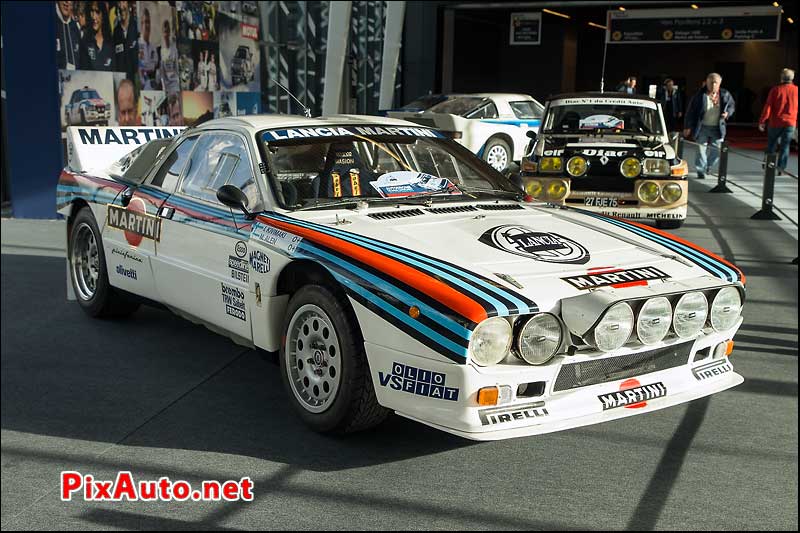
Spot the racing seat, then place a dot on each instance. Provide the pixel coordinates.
(571, 121)
(344, 175)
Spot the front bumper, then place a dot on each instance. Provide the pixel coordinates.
(444, 396)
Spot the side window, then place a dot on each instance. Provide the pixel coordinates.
(220, 159)
(167, 176)
(487, 111)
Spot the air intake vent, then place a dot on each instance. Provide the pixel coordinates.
(405, 213)
(456, 209)
(499, 207)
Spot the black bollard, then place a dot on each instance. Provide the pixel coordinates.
(722, 177)
(766, 212)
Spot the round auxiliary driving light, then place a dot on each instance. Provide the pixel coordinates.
(672, 193)
(576, 166)
(614, 328)
(725, 309)
(490, 341)
(690, 315)
(630, 167)
(557, 190)
(654, 320)
(539, 339)
(649, 192)
(534, 188)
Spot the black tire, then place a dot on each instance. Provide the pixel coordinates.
(354, 406)
(493, 146)
(669, 224)
(103, 301)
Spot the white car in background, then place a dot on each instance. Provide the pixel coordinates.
(494, 126)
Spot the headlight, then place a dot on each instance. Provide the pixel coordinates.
(655, 318)
(656, 167)
(690, 314)
(576, 166)
(490, 341)
(534, 188)
(539, 339)
(551, 164)
(725, 309)
(630, 167)
(557, 190)
(671, 193)
(649, 192)
(614, 328)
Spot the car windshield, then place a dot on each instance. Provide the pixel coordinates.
(585, 115)
(329, 165)
(459, 105)
(89, 95)
(527, 109)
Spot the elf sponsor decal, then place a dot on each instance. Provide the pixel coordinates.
(126, 254)
(615, 277)
(419, 382)
(305, 133)
(135, 222)
(500, 415)
(557, 152)
(632, 395)
(259, 261)
(547, 247)
(655, 153)
(126, 272)
(712, 369)
(276, 238)
(233, 299)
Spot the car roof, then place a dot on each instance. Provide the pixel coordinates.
(271, 121)
(598, 94)
(509, 97)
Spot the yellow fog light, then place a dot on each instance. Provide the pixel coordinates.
(551, 164)
(576, 166)
(630, 167)
(534, 188)
(672, 193)
(649, 192)
(557, 190)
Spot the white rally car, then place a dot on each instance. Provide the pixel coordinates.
(461, 306)
(494, 126)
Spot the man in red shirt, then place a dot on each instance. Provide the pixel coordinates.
(781, 112)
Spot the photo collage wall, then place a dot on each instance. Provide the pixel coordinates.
(126, 63)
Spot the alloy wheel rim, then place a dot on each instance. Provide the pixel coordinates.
(85, 262)
(497, 157)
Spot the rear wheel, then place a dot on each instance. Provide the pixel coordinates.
(497, 154)
(87, 264)
(324, 366)
(669, 224)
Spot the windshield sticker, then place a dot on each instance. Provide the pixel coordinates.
(537, 245)
(337, 131)
(601, 122)
(632, 102)
(408, 183)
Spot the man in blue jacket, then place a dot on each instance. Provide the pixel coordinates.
(706, 116)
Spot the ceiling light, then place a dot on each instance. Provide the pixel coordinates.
(621, 8)
(556, 13)
(594, 25)
(695, 6)
(790, 20)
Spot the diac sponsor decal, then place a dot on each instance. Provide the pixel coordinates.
(135, 222)
(712, 369)
(259, 261)
(537, 245)
(233, 299)
(632, 395)
(615, 277)
(501, 415)
(419, 382)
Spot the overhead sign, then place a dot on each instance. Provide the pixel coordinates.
(526, 28)
(707, 24)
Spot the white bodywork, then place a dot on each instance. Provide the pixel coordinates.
(223, 272)
(476, 132)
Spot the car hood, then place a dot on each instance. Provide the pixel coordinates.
(97, 101)
(528, 250)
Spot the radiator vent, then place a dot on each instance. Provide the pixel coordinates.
(455, 209)
(404, 213)
(499, 207)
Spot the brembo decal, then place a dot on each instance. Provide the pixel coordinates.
(632, 395)
(419, 382)
(233, 299)
(135, 222)
(615, 277)
(547, 247)
(499, 415)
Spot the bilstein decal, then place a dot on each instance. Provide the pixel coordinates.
(541, 246)
(135, 222)
(615, 277)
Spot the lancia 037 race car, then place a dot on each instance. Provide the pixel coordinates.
(608, 153)
(493, 126)
(86, 107)
(455, 303)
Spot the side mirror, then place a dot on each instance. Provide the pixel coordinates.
(233, 197)
(531, 135)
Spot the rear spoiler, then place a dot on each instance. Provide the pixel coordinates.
(96, 149)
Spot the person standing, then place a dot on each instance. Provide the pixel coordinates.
(672, 103)
(126, 41)
(148, 56)
(97, 48)
(780, 116)
(628, 86)
(168, 61)
(68, 36)
(706, 116)
(211, 71)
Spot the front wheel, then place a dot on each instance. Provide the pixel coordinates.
(497, 154)
(324, 367)
(669, 224)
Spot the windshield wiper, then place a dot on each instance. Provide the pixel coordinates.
(335, 203)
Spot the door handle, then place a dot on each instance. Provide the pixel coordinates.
(166, 212)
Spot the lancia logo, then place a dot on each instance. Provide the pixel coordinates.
(547, 247)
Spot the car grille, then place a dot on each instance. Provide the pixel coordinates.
(574, 375)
